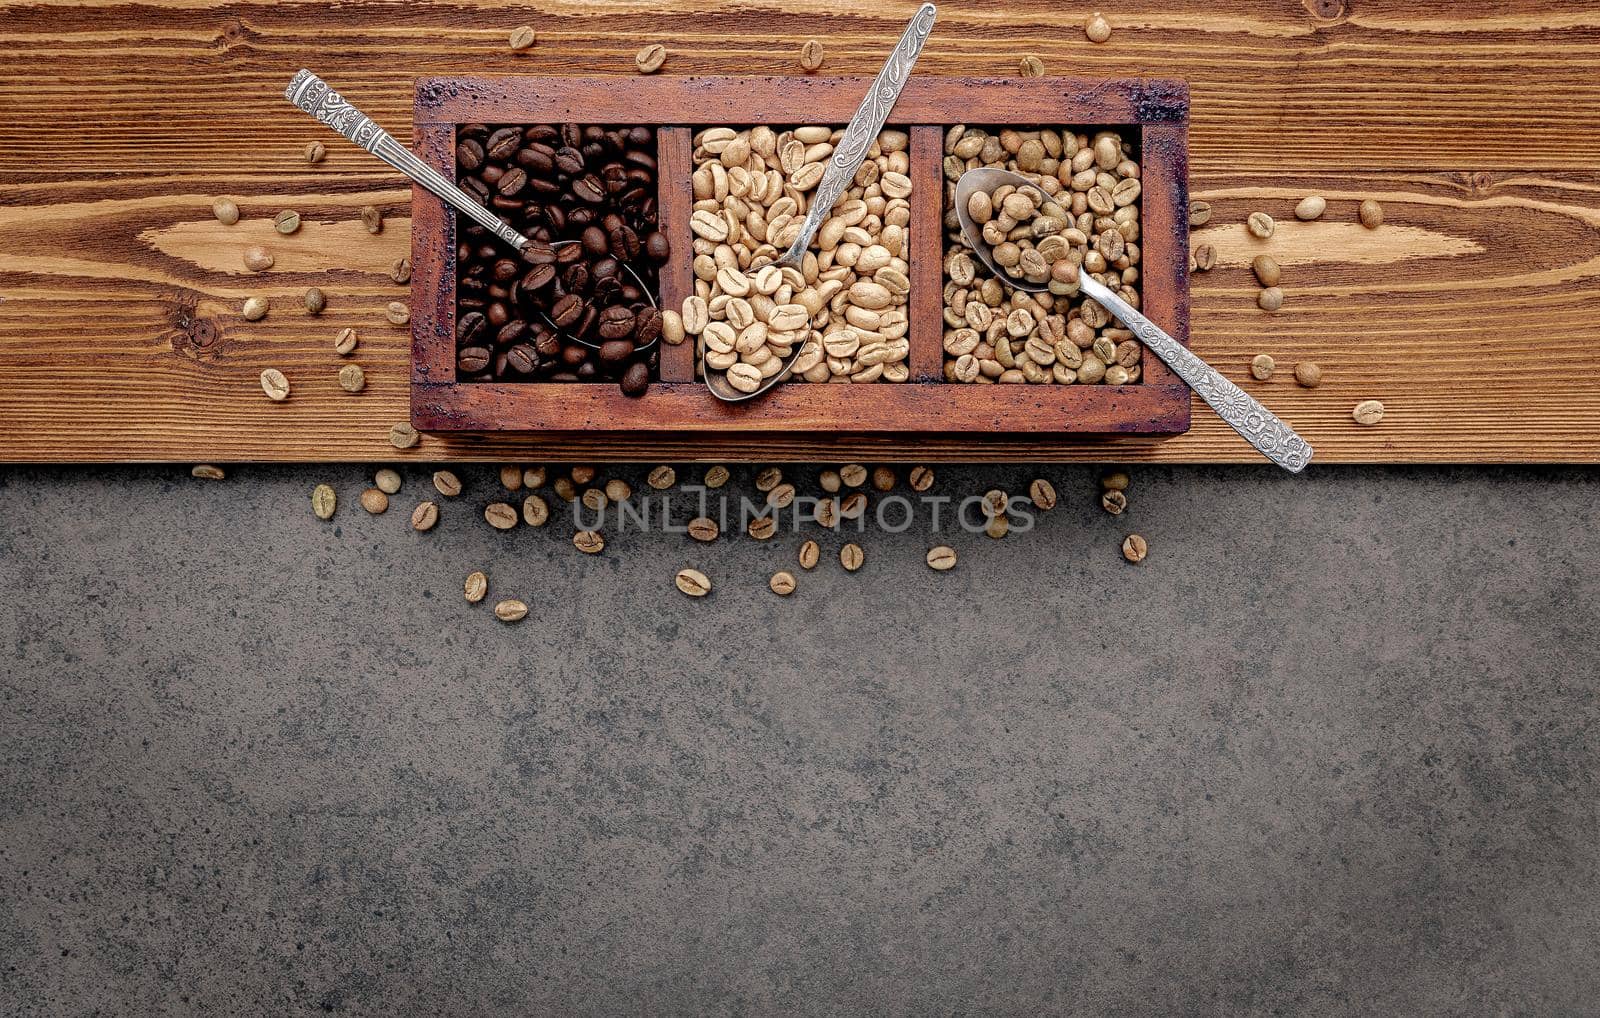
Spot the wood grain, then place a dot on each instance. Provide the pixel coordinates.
(1471, 313)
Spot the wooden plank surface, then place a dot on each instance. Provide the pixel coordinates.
(1471, 313)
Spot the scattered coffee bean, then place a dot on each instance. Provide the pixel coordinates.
(853, 475)
(315, 300)
(830, 481)
(207, 472)
(1310, 208)
(1116, 480)
(811, 55)
(1135, 548)
(618, 490)
(226, 211)
(589, 542)
(703, 528)
(324, 500)
(1368, 412)
(255, 309)
(581, 475)
(374, 501)
(1097, 28)
(921, 478)
(476, 587)
(397, 313)
(1199, 213)
(1260, 225)
(1371, 214)
(851, 556)
(403, 435)
(1270, 299)
(1266, 270)
(565, 489)
(286, 222)
(533, 477)
(826, 512)
(693, 582)
(595, 500)
(1261, 366)
(500, 516)
(1043, 494)
(854, 506)
(275, 385)
(768, 478)
(535, 511)
(1308, 374)
(523, 37)
(883, 478)
(782, 583)
(810, 552)
(345, 343)
(672, 332)
(997, 527)
(716, 477)
(1031, 67)
(511, 478)
(257, 259)
(424, 516)
(781, 497)
(1205, 257)
(352, 378)
(315, 152)
(511, 610)
(387, 481)
(763, 527)
(995, 502)
(942, 558)
(446, 483)
(650, 58)
(372, 219)
(662, 478)
(400, 271)
(1113, 502)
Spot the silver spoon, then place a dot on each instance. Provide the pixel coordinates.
(859, 135)
(312, 95)
(1260, 427)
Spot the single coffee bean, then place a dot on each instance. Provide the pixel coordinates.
(510, 610)
(763, 527)
(716, 476)
(446, 483)
(535, 511)
(286, 222)
(523, 37)
(275, 385)
(883, 478)
(1113, 502)
(618, 490)
(403, 435)
(1371, 214)
(1266, 270)
(781, 496)
(1115, 480)
(995, 502)
(852, 475)
(1205, 256)
(810, 552)
(397, 313)
(564, 489)
(500, 516)
(511, 478)
(662, 478)
(589, 542)
(424, 516)
(768, 478)
(810, 55)
(207, 472)
(1308, 374)
(257, 259)
(1310, 208)
(374, 501)
(853, 506)
(315, 300)
(693, 582)
(650, 58)
(851, 556)
(826, 512)
(1199, 213)
(476, 587)
(226, 211)
(581, 474)
(372, 219)
(1031, 67)
(400, 271)
(1260, 225)
(255, 309)
(1043, 494)
(1097, 28)
(1368, 412)
(595, 500)
(324, 501)
(921, 478)
(997, 527)
(782, 583)
(352, 378)
(1135, 548)
(1270, 299)
(387, 481)
(315, 152)
(942, 558)
(345, 343)
(1261, 367)
(672, 328)
(533, 477)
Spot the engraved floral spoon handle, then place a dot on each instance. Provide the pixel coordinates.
(313, 95)
(863, 128)
(1242, 412)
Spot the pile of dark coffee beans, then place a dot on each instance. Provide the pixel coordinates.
(529, 317)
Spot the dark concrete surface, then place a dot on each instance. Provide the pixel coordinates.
(1330, 750)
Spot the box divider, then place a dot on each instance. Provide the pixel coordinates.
(927, 253)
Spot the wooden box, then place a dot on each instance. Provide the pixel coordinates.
(678, 106)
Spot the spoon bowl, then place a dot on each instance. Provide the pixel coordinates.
(988, 179)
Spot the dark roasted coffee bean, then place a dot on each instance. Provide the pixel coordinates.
(497, 313)
(469, 327)
(548, 344)
(594, 241)
(589, 188)
(511, 332)
(513, 182)
(569, 161)
(576, 278)
(615, 351)
(635, 380)
(538, 253)
(538, 277)
(469, 154)
(658, 247)
(567, 310)
(616, 323)
(647, 326)
(472, 359)
(503, 143)
(505, 269)
(572, 355)
(522, 359)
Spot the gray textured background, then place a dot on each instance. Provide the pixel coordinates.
(1331, 749)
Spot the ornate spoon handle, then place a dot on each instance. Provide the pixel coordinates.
(1259, 426)
(864, 127)
(313, 95)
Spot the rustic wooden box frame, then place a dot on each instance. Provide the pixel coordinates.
(677, 106)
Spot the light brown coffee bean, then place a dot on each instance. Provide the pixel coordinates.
(424, 516)
(854, 506)
(533, 477)
(345, 343)
(1115, 480)
(883, 478)
(997, 527)
(851, 556)
(403, 435)
(1270, 299)
(650, 58)
(618, 490)
(207, 472)
(523, 37)
(1371, 214)
(397, 313)
(1260, 225)
(995, 502)
(781, 496)
(286, 222)
(693, 582)
(1097, 28)
(830, 481)
(853, 475)
(589, 542)
(535, 511)
(257, 259)
(255, 309)
(275, 385)
(315, 152)
(315, 300)
(811, 55)
(511, 610)
(400, 271)
(500, 516)
(372, 219)
(511, 477)
(595, 500)
(374, 501)
(662, 478)
(1266, 270)
(1199, 213)
(565, 489)
(826, 512)
(1031, 67)
(1205, 256)
(1368, 412)
(1308, 374)
(1135, 548)
(921, 478)
(782, 583)
(476, 587)
(716, 477)
(768, 478)
(763, 527)
(704, 528)
(942, 558)
(810, 552)
(324, 501)
(352, 378)
(1261, 366)
(446, 483)
(1114, 502)
(387, 481)
(581, 474)
(226, 211)
(672, 331)
(1310, 208)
